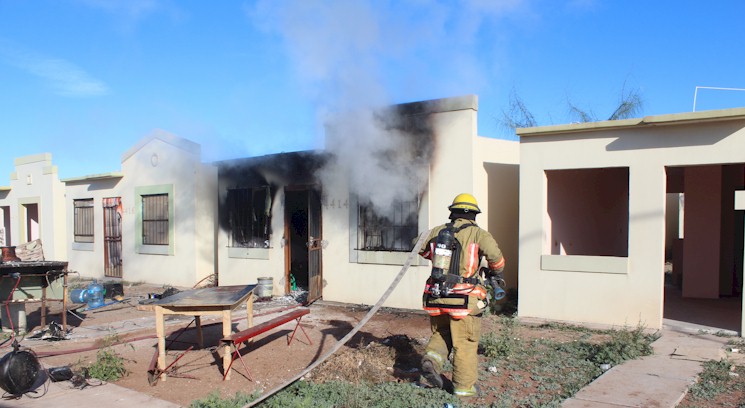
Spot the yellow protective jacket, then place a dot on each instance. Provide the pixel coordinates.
(475, 243)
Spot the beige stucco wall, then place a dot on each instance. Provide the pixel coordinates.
(459, 166)
(35, 182)
(241, 266)
(162, 159)
(159, 159)
(87, 259)
(613, 290)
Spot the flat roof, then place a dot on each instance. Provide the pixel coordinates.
(93, 177)
(657, 120)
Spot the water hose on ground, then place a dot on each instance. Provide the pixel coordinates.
(354, 330)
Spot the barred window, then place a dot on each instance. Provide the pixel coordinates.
(155, 219)
(83, 220)
(394, 231)
(249, 212)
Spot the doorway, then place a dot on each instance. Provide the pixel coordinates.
(112, 235)
(33, 229)
(303, 266)
(704, 247)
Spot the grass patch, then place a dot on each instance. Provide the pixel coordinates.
(516, 370)
(715, 379)
(213, 400)
(341, 394)
(109, 366)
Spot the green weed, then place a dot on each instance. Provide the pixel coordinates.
(502, 344)
(341, 394)
(109, 366)
(713, 380)
(213, 400)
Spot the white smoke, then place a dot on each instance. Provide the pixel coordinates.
(355, 57)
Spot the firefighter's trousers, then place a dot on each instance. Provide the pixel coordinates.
(461, 336)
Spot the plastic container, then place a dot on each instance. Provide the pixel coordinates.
(265, 288)
(92, 295)
(79, 295)
(96, 295)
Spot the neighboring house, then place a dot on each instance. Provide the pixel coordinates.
(152, 222)
(33, 206)
(319, 221)
(600, 216)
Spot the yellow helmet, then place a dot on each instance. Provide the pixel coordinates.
(465, 202)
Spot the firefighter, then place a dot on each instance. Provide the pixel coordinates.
(455, 295)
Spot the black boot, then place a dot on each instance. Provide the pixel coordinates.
(429, 371)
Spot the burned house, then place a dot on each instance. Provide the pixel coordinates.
(341, 222)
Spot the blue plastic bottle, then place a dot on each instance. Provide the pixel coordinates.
(95, 298)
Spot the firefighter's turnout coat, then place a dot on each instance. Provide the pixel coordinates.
(469, 295)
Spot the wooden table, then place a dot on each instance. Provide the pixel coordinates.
(219, 300)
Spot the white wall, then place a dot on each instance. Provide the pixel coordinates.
(35, 183)
(88, 258)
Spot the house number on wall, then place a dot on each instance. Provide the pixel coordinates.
(336, 204)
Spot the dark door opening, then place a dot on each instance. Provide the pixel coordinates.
(303, 242)
(296, 207)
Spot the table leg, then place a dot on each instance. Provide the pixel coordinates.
(227, 329)
(250, 310)
(43, 307)
(200, 338)
(160, 331)
(64, 301)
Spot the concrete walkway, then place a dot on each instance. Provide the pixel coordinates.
(62, 394)
(659, 380)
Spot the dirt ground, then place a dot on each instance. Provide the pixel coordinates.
(387, 349)
(198, 372)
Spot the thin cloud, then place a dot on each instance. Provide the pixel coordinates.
(134, 9)
(66, 78)
(129, 14)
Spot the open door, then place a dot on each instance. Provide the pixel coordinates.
(303, 241)
(315, 237)
(112, 235)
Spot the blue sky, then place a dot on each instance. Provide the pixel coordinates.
(86, 79)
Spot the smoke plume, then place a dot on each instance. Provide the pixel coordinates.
(353, 58)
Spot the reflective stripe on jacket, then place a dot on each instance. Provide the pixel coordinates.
(475, 243)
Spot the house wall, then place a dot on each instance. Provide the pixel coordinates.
(500, 204)
(603, 289)
(87, 259)
(158, 161)
(167, 163)
(35, 187)
(462, 162)
(243, 266)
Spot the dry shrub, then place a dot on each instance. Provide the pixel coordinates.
(393, 358)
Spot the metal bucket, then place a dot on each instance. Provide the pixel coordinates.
(264, 288)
